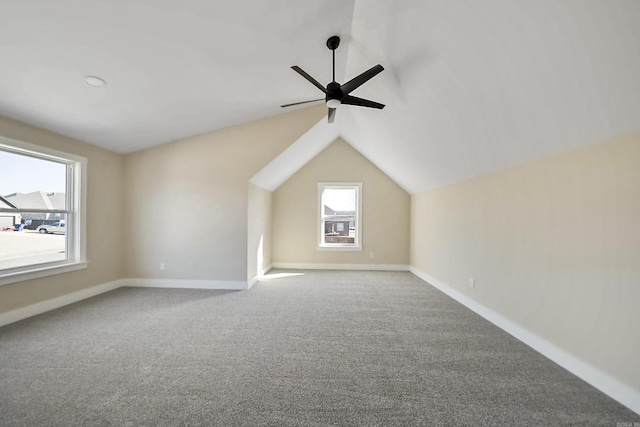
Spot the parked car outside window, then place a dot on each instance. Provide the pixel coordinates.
(55, 228)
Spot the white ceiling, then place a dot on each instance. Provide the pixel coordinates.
(470, 86)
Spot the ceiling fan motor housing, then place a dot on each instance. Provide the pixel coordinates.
(333, 91)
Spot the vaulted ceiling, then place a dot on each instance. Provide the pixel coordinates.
(469, 86)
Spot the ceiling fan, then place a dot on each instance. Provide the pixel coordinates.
(335, 93)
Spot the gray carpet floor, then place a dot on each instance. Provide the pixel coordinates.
(319, 349)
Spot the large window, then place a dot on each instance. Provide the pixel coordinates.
(41, 211)
(340, 213)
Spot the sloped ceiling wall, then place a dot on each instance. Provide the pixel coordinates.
(472, 87)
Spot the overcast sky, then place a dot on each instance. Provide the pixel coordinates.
(22, 174)
(340, 200)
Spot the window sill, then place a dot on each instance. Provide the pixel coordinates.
(41, 271)
(339, 248)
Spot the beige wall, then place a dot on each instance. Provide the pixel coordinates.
(385, 207)
(553, 245)
(105, 219)
(258, 231)
(187, 201)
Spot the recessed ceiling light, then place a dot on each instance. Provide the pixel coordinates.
(94, 81)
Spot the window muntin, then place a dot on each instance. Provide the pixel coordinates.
(39, 187)
(340, 216)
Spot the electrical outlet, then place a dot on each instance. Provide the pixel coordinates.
(472, 283)
(370, 254)
(162, 266)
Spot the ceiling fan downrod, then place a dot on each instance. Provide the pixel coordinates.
(332, 43)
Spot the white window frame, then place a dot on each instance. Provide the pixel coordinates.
(357, 245)
(75, 211)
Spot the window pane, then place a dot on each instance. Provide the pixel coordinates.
(339, 205)
(340, 201)
(31, 240)
(339, 230)
(31, 183)
(42, 210)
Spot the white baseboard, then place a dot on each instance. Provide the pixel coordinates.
(233, 285)
(267, 269)
(61, 301)
(359, 267)
(624, 394)
(252, 281)
(44, 306)
(255, 279)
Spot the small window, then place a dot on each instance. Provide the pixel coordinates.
(41, 211)
(340, 206)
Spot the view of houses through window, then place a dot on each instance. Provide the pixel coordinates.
(339, 215)
(33, 209)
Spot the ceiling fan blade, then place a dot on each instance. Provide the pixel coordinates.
(302, 102)
(308, 77)
(332, 115)
(356, 82)
(353, 100)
